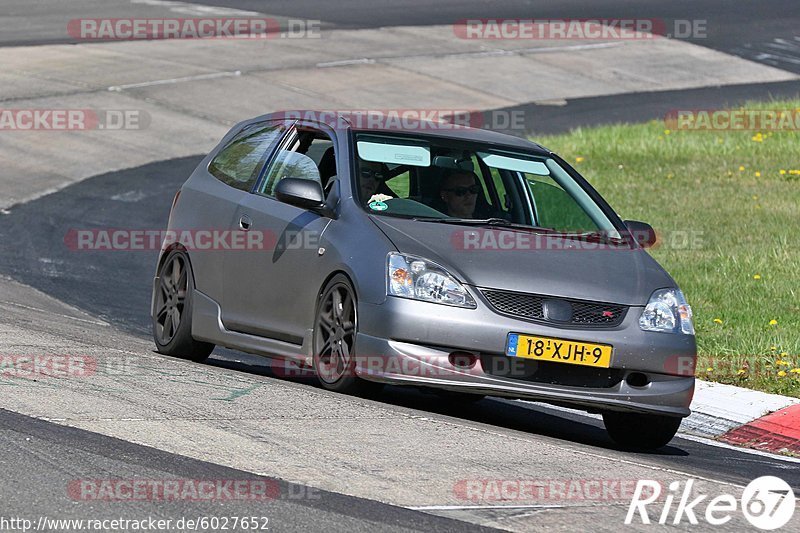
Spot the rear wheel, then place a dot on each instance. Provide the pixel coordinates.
(638, 431)
(172, 321)
(335, 328)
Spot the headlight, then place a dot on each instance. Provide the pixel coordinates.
(667, 311)
(413, 277)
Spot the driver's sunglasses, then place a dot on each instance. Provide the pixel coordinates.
(463, 191)
(371, 174)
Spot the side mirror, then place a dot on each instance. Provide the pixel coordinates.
(641, 232)
(300, 192)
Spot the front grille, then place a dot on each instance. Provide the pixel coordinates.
(535, 307)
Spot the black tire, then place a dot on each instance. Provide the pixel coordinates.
(172, 320)
(335, 329)
(635, 431)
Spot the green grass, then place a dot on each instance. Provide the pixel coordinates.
(721, 224)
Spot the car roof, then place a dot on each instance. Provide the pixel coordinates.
(343, 122)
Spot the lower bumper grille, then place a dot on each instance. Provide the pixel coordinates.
(552, 373)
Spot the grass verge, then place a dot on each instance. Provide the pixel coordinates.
(726, 205)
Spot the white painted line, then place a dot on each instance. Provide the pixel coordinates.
(522, 51)
(459, 55)
(28, 307)
(169, 81)
(570, 48)
(196, 9)
(682, 435)
(718, 444)
(35, 196)
(345, 62)
(470, 507)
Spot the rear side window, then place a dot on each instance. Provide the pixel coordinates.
(239, 163)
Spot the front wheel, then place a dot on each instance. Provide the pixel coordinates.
(335, 329)
(172, 320)
(638, 431)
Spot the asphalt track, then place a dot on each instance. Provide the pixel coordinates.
(50, 456)
(115, 287)
(40, 456)
(765, 31)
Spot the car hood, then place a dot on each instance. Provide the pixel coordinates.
(526, 262)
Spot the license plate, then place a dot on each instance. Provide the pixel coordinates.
(558, 350)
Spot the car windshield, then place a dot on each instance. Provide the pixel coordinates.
(460, 182)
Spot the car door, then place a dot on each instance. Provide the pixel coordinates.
(209, 200)
(271, 290)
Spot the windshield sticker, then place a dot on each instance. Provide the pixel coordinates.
(378, 206)
(418, 156)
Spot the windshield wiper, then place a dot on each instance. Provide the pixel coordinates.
(494, 221)
(596, 236)
(592, 236)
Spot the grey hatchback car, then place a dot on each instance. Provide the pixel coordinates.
(461, 260)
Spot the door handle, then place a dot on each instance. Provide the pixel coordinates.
(245, 222)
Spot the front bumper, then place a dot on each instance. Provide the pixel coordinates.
(407, 342)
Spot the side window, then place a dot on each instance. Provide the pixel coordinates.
(500, 187)
(239, 163)
(555, 208)
(399, 184)
(309, 156)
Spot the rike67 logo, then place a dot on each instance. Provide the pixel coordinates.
(767, 502)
